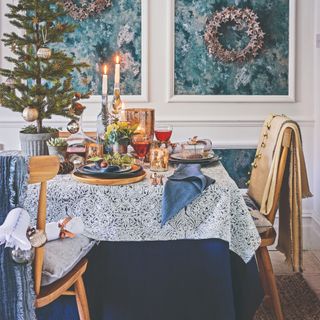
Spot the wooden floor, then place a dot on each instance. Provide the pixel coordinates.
(311, 267)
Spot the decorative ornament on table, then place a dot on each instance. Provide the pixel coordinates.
(86, 9)
(244, 19)
(66, 167)
(30, 114)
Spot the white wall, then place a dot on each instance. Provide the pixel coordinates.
(317, 114)
(235, 124)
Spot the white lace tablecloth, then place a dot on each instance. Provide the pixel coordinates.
(133, 212)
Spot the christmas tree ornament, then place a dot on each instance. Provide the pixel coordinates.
(44, 53)
(73, 126)
(30, 114)
(10, 82)
(78, 108)
(22, 256)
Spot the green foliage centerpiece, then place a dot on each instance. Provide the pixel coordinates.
(118, 135)
(39, 85)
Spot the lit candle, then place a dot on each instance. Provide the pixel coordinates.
(117, 73)
(105, 81)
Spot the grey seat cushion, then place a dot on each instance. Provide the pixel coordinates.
(260, 220)
(62, 255)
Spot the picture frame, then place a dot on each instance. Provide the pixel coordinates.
(172, 97)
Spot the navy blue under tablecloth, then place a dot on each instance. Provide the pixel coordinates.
(165, 280)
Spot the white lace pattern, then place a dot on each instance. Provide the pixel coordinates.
(133, 212)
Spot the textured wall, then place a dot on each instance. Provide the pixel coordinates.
(97, 40)
(198, 73)
(238, 163)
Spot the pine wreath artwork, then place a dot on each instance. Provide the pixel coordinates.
(244, 19)
(84, 10)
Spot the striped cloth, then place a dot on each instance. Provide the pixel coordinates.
(16, 284)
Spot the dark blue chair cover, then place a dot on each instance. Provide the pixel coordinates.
(165, 280)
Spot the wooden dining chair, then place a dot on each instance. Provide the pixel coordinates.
(42, 169)
(268, 236)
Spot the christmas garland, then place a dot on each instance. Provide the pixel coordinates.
(83, 12)
(244, 19)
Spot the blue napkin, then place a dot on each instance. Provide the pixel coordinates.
(185, 185)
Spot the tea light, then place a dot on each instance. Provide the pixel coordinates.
(159, 158)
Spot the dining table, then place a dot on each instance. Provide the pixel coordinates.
(198, 265)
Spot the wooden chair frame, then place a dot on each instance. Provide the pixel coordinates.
(42, 169)
(267, 276)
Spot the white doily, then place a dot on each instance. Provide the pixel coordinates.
(133, 212)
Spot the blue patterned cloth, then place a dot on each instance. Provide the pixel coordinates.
(16, 284)
(185, 185)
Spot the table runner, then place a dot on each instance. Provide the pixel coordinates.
(133, 212)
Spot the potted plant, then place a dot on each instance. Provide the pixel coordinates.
(119, 135)
(58, 147)
(40, 83)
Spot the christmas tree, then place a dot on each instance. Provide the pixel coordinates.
(40, 79)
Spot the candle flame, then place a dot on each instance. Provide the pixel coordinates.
(117, 59)
(105, 69)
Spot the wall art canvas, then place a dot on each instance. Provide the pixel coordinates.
(119, 28)
(232, 50)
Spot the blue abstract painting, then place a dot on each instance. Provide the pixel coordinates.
(98, 39)
(198, 73)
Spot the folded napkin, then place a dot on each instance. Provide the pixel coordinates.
(185, 185)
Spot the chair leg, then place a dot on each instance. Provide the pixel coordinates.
(263, 279)
(81, 299)
(271, 281)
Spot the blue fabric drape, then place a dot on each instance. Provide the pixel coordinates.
(16, 286)
(165, 280)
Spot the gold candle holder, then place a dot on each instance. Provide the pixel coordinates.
(93, 150)
(144, 118)
(159, 158)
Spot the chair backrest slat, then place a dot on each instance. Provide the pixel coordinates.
(286, 142)
(41, 169)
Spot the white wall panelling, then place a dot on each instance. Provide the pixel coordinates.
(229, 124)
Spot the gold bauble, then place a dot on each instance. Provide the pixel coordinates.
(44, 53)
(30, 114)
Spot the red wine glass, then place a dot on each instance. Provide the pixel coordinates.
(141, 145)
(163, 133)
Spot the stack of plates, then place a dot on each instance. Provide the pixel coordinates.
(112, 175)
(203, 160)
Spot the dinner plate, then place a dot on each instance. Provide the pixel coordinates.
(125, 172)
(181, 157)
(93, 168)
(206, 162)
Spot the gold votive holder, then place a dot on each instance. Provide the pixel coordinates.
(143, 118)
(159, 158)
(93, 150)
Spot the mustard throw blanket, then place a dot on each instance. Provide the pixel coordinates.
(295, 184)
